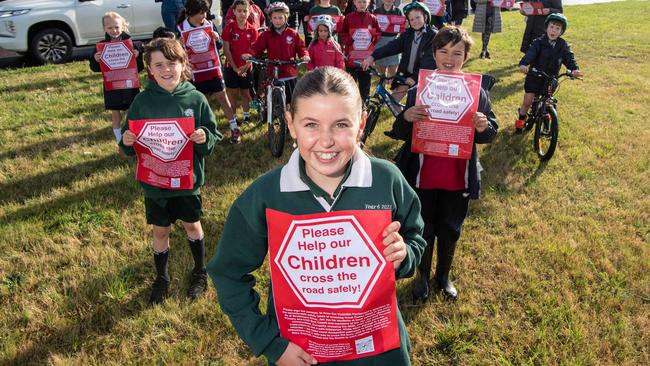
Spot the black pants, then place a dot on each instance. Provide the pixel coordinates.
(443, 213)
(363, 79)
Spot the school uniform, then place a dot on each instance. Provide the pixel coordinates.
(255, 17)
(386, 37)
(240, 41)
(209, 81)
(285, 45)
(325, 53)
(354, 20)
(546, 56)
(368, 182)
(185, 101)
(535, 23)
(118, 100)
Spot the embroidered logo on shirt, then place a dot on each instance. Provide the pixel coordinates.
(289, 40)
(235, 36)
(189, 112)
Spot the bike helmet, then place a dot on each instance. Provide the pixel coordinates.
(415, 5)
(325, 20)
(558, 17)
(277, 6)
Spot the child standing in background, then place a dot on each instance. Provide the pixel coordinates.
(194, 15)
(171, 96)
(487, 20)
(387, 65)
(324, 50)
(238, 36)
(116, 29)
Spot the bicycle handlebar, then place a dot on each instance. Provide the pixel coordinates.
(275, 62)
(566, 73)
(374, 72)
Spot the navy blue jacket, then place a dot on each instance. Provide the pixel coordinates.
(409, 162)
(542, 56)
(535, 23)
(402, 44)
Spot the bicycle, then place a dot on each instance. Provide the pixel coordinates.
(543, 115)
(380, 98)
(271, 102)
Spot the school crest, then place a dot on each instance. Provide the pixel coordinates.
(289, 39)
(189, 112)
(235, 36)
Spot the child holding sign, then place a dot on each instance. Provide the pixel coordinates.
(170, 97)
(327, 173)
(324, 50)
(443, 184)
(210, 80)
(387, 65)
(116, 29)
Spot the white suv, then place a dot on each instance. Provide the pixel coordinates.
(49, 29)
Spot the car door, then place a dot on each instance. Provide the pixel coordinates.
(146, 18)
(89, 16)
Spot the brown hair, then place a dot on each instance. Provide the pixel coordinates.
(172, 50)
(325, 81)
(193, 7)
(235, 3)
(452, 34)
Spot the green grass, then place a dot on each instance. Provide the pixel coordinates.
(552, 265)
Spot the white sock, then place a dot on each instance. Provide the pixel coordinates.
(233, 123)
(118, 134)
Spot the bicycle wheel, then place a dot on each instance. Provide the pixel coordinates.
(278, 125)
(546, 132)
(371, 121)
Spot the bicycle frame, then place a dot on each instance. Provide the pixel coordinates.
(385, 98)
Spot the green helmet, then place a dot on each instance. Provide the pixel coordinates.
(415, 5)
(558, 17)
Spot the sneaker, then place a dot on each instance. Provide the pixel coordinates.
(158, 291)
(198, 284)
(247, 119)
(235, 136)
(519, 125)
(420, 290)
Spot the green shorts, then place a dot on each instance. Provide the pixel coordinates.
(165, 211)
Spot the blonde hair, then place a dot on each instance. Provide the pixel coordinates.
(172, 50)
(114, 15)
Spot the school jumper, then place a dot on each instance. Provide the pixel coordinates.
(325, 53)
(354, 20)
(118, 100)
(243, 245)
(386, 37)
(535, 23)
(240, 41)
(255, 16)
(546, 56)
(185, 101)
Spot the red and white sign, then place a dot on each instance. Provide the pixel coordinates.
(334, 292)
(531, 8)
(202, 53)
(452, 99)
(362, 46)
(165, 152)
(436, 7)
(337, 19)
(505, 4)
(391, 23)
(118, 65)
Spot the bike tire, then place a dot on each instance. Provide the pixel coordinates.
(371, 121)
(546, 134)
(277, 128)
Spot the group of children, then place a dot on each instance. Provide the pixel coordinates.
(328, 171)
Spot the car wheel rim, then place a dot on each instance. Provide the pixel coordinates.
(52, 47)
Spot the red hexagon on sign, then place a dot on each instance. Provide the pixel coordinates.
(116, 56)
(164, 139)
(329, 262)
(199, 41)
(447, 96)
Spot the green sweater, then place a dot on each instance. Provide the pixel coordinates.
(370, 184)
(185, 101)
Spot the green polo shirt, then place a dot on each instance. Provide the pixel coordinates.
(369, 184)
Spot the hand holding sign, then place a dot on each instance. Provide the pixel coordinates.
(480, 122)
(294, 355)
(128, 138)
(198, 136)
(395, 247)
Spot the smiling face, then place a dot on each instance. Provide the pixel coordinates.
(326, 136)
(113, 27)
(416, 19)
(451, 57)
(196, 19)
(167, 73)
(241, 13)
(554, 30)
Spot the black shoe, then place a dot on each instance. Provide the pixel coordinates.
(198, 284)
(487, 54)
(158, 291)
(482, 55)
(391, 134)
(447, 288)
(420, 289)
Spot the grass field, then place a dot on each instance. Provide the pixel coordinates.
(552, 267)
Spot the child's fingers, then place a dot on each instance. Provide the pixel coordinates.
(391, 228)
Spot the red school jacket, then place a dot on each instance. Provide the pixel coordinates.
(286, 47)
(325, 54)
(354, 20)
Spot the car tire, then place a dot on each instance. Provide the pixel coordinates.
(51, 46)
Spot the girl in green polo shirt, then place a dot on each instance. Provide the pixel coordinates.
(327, 172)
